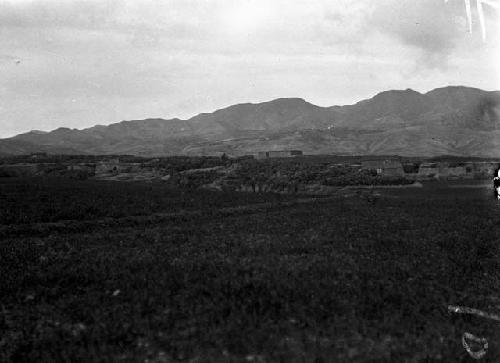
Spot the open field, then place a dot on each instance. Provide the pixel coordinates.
(34, 200)
(160, 275)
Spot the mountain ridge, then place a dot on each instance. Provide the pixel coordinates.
(457, 119)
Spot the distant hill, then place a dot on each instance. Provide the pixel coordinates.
(445, 121)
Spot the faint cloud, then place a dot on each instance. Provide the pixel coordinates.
(345, 25)
(50, 13)
(428, 25)
(9, 59)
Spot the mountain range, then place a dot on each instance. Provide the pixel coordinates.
(453, 120)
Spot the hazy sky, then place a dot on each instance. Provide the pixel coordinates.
(80, 63)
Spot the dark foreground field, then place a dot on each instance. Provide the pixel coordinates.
(163, 276)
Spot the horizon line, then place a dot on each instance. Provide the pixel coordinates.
(245, 103)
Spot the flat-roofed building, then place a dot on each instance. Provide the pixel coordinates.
(385, 167)
(278, 154)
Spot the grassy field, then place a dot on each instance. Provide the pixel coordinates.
(34, 200)
(245, 277)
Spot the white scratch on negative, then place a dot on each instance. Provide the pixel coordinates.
(469, 14)
(468, 337)
(466, 310)
(480, 12)
(476, 354)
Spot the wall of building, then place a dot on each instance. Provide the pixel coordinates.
(451, 172)
(393, 171)
(117, 168)
(81, 167)
(485, 170)
(428, 171)
(278, 154)
(106, 168)
(384, 167)
(467, 170)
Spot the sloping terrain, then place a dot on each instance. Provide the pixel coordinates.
(450, 120)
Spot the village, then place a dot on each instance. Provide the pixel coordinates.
(274, 171)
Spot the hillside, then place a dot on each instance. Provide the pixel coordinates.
(450, 120)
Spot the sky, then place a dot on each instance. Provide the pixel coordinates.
(76, 64)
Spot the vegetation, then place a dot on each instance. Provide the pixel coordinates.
(303, 172)
(57, 159)
(347, 279)
(35, 200)
(182, 163)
